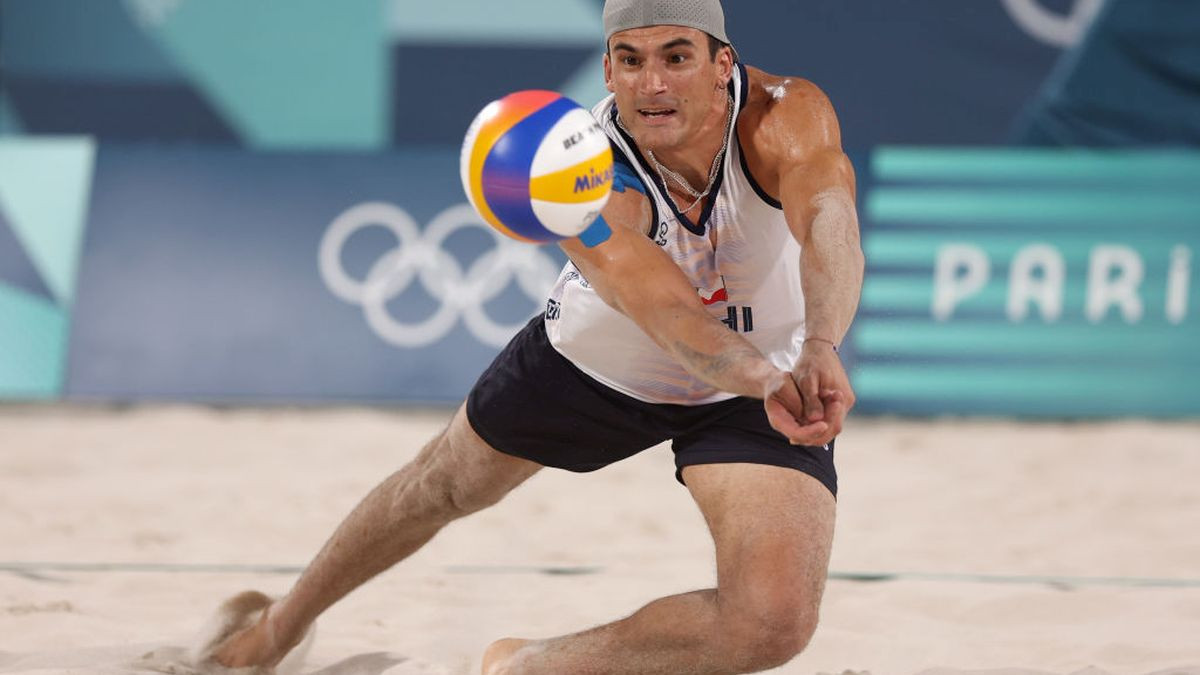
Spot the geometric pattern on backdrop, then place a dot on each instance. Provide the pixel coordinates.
(44, 191)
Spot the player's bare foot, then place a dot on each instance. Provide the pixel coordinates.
(236, 621)
(240, 635)
(250, 646)
(498, 657)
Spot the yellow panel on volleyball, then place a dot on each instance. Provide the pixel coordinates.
(482, 135)
(586, 181)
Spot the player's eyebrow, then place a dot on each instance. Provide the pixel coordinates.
(677, 42)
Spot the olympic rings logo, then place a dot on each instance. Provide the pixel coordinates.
(1050, 27)
(420, 257)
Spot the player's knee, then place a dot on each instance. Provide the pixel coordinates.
(457, 474)
(464, 498)
(790, 636)
(772, 631)
(447, 495)
(461, 480)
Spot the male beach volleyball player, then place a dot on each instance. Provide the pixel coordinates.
(709, 317)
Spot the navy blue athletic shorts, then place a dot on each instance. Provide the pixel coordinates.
(533, 403)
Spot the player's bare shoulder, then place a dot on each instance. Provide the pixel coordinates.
(786, 108)
(785, 119)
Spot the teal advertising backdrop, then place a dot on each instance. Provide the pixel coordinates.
(1035, 282)
(195, 194)
(44, 192)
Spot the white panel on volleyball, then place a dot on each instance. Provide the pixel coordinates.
(556, 151)
(464, 156)
(565, 219)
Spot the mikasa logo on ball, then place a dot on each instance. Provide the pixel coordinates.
(592, 180)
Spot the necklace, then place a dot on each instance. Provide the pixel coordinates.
(663, 171)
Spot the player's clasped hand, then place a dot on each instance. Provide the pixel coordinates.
(810, 407)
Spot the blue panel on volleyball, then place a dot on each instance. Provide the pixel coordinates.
(506, 170)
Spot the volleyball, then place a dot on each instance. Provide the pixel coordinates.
(536, 166)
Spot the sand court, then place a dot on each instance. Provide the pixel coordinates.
(961, 546)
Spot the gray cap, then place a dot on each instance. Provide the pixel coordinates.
(705, 15)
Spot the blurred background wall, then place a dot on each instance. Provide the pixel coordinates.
(219, 200)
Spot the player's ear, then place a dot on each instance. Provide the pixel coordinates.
(607, 72)
(724, 67)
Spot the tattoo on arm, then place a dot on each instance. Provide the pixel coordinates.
(718, 367)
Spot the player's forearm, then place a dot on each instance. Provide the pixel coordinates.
(831, 267)
(707, 349)
(638, 279)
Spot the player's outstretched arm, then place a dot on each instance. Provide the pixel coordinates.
(639, 279)
(799, 144)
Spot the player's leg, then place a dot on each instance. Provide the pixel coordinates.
(773, 527)
(456, 474)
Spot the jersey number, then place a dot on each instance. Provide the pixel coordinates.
(731, 319)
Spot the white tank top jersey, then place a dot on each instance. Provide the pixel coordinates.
(741, 258)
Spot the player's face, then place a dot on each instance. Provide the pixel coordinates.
(667, 86)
